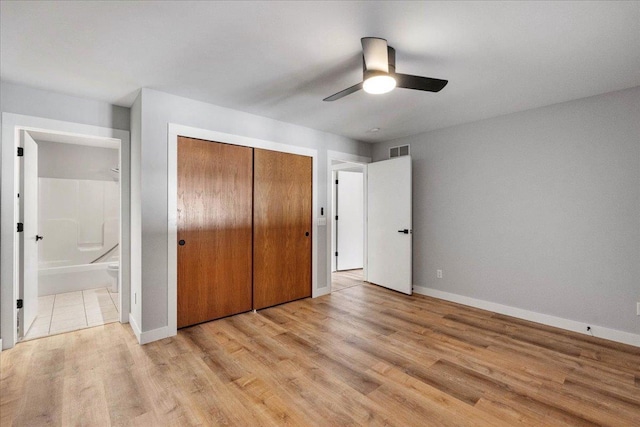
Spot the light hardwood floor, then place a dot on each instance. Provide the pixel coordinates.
(361, 356)
(345, 279)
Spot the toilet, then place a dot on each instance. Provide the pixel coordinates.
(112, 269)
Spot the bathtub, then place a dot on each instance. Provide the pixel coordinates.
(56, 280)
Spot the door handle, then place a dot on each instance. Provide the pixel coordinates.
(39, 237)
(181, 242)
(405, 231)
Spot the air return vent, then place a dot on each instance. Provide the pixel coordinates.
(400, 151)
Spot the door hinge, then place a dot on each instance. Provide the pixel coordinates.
(336, 253)
(336, 217)
(20, 151)
(19, 303)
(336, 182)
(20, 227)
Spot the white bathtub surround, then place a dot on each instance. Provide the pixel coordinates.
(79, 220)
(74, 310)
(58, 280)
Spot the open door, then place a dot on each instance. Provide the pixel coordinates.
(389, 227)
(29, 237)
(350, 221)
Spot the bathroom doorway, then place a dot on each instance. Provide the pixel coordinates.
(72, 194)
(81, 183)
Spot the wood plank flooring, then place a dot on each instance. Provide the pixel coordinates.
(360, 356)
(345, 279)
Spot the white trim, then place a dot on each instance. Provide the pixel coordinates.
(154, 335)
(323, 291)
(148, 336)
(545, 319)
(172, 198)
(12, 124)
(351, 158)
(135, 327)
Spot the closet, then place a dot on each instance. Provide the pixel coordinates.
(281, 228)
(244, 229)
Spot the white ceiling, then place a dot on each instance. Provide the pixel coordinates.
(280, 59)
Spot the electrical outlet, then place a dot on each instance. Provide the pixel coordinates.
(439, 274)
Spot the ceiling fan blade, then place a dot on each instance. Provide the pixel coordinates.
(374, 51)
(344, 93)
(420, 83)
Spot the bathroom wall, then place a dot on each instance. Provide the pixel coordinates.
(72, 161)
(79, 220)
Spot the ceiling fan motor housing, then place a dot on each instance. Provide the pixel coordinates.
(391, 55)
(379, 72)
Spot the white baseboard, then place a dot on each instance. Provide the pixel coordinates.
(134, 327)
(149, 336)
(322, 291)
(1, 345)
(155, 335)
(545, 319)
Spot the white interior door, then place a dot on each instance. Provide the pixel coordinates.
(29, 244)
(350, 223)
(389, 226)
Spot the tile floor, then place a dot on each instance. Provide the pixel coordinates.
(74, 310)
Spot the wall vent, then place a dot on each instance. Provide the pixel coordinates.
(402, 150)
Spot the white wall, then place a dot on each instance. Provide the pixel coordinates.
(72, 161)
(79, 220)
(538, 210)
(79, 204)
(350, 224)
(135, 259)
(18, 99)
(158, 110)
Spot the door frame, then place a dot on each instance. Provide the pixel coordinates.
(350, 158)
(12, 124)
(175, 130)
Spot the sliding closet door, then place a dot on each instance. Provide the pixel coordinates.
(282, 228)
(215, 183)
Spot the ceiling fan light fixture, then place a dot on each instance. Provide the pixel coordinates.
(379, 83)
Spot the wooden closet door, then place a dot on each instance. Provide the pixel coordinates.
(281, 228)
(215, 196)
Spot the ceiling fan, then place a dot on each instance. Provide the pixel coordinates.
(379, 72)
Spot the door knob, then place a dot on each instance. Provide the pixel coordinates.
(405, 231)
(181, 242)
(39, 237)
(306, 234)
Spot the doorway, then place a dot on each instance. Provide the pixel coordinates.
(347, 219)
(346, 246)
(71, 204)
(99, 239)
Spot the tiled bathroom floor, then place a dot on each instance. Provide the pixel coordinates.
(74, 310)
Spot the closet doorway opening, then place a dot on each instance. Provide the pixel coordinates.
(174, 225)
